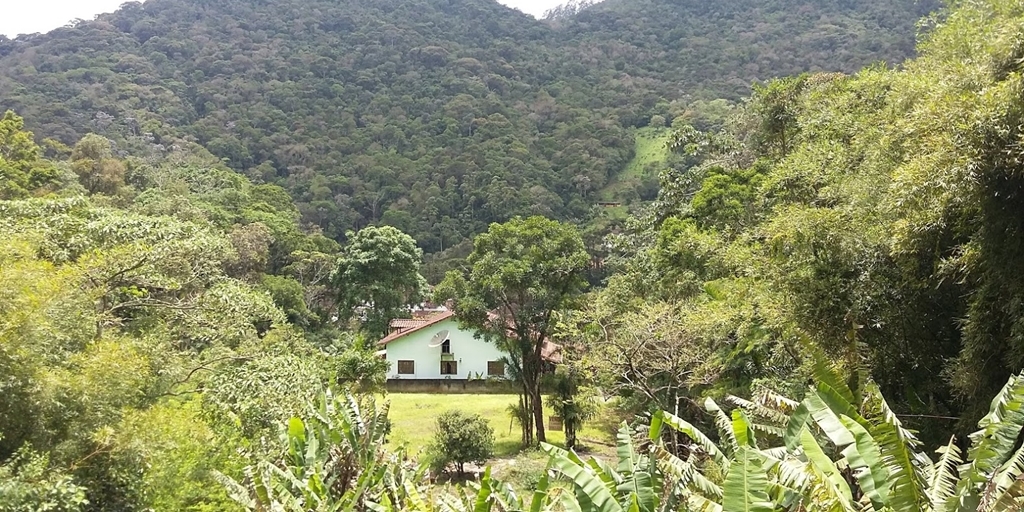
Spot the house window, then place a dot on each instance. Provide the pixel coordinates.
(446, 347)
(406, 367)
(449, 368)
(495, 368)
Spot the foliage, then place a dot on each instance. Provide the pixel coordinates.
(98, 170)
(22, 168)
(379, 271)
(636, 482)
(333, 459)
(362, 368)
(434, 118)
(29, 484)
(162, 314)
(460, 438)
(181, 451)
(835, 450)
(138, 350)
(289, 296)
(855, 216)
(521, 273)
(573, 398)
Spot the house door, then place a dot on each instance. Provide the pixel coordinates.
(449, 368)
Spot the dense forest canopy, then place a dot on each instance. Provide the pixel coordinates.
(436, 117)
(826, 278)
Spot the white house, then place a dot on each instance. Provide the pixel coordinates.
(434, 347)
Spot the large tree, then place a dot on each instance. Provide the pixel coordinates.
(379, 269)
(521, 273)
(22, 168)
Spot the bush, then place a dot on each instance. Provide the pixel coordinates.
(572, 400)
(361, 368)
(460, 438)
(28, 483)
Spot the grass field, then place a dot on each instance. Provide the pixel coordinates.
(649, 148)
(412, 425)
(412, 421)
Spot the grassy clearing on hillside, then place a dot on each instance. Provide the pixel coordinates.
(650, 147)
(412, 421)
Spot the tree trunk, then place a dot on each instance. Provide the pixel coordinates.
(522, 428)
(526, 400)
(538, 410)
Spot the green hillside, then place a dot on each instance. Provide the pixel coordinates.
(639, 178)
(434, 116)
(805, 300)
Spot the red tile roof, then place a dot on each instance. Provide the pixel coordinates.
(551, 352)
(405, 323)
(405, 326)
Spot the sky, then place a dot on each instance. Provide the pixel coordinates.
(30, 16)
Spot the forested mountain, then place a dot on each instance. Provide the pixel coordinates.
(717, 49)
(827, 280)
(434, 116)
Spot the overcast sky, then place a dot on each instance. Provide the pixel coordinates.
(29, 16)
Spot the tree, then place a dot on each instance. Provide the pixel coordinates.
(461, 438)
(776, 103)
(379, 269)
(361, 368)
(98, 170)
(22, 168)
(521, 273)
(27, 483)
(449, 95)
(573, 399)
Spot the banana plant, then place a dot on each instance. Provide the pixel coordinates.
(840, 451)
(635, 484)
(333, 459)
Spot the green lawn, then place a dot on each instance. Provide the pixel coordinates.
(412, 421)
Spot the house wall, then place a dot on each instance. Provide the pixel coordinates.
(472, 354)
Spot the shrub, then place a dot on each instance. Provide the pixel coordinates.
(572, 400)
(460, 438)
(28, 483)
(361, 368)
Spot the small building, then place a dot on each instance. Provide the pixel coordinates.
(435, 347)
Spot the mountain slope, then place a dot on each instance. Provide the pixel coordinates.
(436, 116)
(717, 49)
